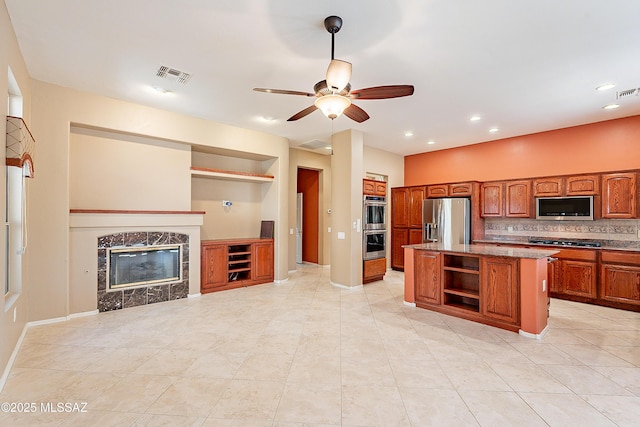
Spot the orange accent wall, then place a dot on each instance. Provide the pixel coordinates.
(597, 147)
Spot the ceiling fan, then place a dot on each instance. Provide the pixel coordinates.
(334, 95)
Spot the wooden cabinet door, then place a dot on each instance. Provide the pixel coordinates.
(620, 283)
(491, 199)
(415, 236)
(619, 195)
(213, 266)
(416, 196)
(582, 185)
(368, 187)
(400, 207)
(518, 199)
(380, 188)
(578, 278)
(499, 289)
(262, 260)
(434, 191)
(427, 271)
(547, 187)
(399, 237)
(554, 281)
(462, 189)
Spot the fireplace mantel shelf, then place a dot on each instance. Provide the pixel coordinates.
(230, 175)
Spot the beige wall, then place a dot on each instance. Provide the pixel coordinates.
(346, 201)
(119, 171)
(322, 163)
(54, 110)
(380, 162)
(10, 56)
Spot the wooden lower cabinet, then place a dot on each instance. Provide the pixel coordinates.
(427, 271)
(499, 289)
(399, 238)
(484, 289)
(234, 263)
(620, 279)
(373, 270)
(579, 278)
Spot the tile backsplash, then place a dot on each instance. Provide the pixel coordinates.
(609, 232)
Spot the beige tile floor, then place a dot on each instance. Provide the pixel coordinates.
(304, 353)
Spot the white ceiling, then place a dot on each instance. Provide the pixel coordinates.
(523, 66)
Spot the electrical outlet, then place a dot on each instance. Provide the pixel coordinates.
(544, 285)
(639, 233)
(510, 229)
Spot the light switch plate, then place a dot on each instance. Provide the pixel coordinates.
(341, 235)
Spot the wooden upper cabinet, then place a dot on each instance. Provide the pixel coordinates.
(434, 191)
(547, 187)
(416, 196)
(462, 189)
(582, 185)
(400, 207)
(491, 199)
(371, 187)
(619, 195)
(518, 199)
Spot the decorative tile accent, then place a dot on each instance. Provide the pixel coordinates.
(157, 294)
(108, 301)
(133, 297)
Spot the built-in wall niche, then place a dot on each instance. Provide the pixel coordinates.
(219, 176)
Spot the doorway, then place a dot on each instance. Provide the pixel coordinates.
(308, 184)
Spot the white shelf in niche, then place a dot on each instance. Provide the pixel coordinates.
(230, 175)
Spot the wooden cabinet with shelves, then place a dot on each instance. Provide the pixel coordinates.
(619, 195)
(233, 263)
(371, 187)
(461, 282)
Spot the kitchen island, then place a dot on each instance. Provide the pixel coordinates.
(497, 286)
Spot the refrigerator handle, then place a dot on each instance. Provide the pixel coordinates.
(429, 233)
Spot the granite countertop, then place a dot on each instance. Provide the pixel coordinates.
(487, 250)
(521, 243)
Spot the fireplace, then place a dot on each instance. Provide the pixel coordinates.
(141, 266)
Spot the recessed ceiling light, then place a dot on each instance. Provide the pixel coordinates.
(494, 130)
(431, 142)
(161, 90)
(611, 106)
(328, 147)
(606, 86)
(408, 133)
(474, 118)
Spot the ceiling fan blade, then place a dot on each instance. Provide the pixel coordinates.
(382, 92)
(338, 74)
(356, 113)
(283, 92)
(302, 113)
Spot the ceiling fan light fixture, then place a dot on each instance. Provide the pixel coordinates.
(332, 106)
(338, 74)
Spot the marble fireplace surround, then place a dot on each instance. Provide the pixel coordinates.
(93, 231)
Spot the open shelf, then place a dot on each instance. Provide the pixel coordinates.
(461, 284)
(230, 175)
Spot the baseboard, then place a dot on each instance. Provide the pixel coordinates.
(12, 359)
(47, 321)
(409, 304)
(83, 314)
(338, 285)
(198, 295)
(536, 336)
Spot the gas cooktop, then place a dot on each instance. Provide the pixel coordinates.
(565, 243)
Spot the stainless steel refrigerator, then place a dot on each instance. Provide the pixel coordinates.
(446, 220)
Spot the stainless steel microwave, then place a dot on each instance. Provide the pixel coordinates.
(573, 208)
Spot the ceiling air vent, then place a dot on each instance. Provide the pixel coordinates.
(628, 92)
(313, 145)
(173, 74)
